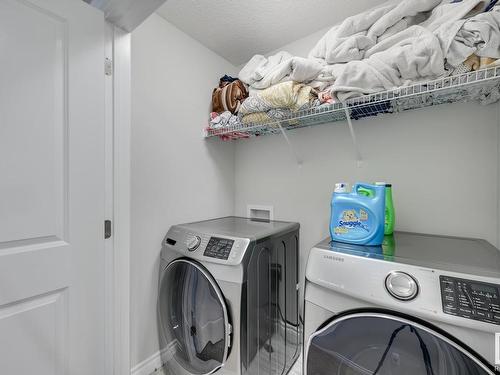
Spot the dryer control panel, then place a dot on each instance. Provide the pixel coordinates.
(218, 248)
(213, 248)
(470, 299)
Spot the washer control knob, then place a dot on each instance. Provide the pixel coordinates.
(193, 243)
(401, 286)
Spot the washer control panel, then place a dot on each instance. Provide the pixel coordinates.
(219, 248)
(471, 299)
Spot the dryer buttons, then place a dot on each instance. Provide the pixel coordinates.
(193, 243)
(401, 286)
(219, 248)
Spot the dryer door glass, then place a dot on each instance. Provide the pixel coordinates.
(382, 344)
(193, 319)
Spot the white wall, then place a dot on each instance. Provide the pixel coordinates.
(443, 162)
(177, 176)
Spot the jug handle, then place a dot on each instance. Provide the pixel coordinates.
(364, 186)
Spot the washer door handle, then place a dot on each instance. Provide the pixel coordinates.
(401, 286)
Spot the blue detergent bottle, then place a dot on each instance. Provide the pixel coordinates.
(358, 218)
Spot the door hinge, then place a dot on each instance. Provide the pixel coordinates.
(108, 66)
(107, 229)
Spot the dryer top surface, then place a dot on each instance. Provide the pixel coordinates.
(462, 255)
(240, 227)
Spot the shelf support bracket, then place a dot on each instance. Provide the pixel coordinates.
(359, 158)
(298, 159)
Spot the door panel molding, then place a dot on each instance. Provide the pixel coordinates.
(38, 187)
(52, 187)
(39, 324)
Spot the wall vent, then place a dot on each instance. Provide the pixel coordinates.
(260, 213)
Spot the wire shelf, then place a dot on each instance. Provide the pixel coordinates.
(481, 85)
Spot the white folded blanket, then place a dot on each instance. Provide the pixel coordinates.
(449, 11)
(357, 34)
(478, 35)
(411, 59)
(261, 72)
(395, 44)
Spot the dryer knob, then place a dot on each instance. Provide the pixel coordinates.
(401, 286)
(193, 243)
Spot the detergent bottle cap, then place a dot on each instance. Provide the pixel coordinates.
(383, 184)
(341, 187)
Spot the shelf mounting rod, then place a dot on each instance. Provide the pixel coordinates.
(359, 157)
(298, 159)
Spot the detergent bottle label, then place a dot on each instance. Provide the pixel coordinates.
(353, 223)
(358, 217)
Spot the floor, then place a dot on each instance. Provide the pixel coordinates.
(158, 372)
(296, 369)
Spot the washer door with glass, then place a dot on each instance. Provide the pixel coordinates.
(193, 319)
(383, 344)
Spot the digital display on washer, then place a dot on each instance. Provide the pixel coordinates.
(482, 288)
(470, 299)
(219, 248)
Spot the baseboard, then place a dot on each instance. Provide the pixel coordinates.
(148, 366)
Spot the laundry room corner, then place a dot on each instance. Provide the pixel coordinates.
(263, 187)
(437, 157)
(434, 157)
(176, 175)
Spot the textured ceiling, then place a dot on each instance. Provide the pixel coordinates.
(238, 29)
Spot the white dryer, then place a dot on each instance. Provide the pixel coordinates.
(418, 305)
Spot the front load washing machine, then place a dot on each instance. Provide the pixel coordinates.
(418, 305)
(228, 297)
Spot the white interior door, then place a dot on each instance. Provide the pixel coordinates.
(51, 188)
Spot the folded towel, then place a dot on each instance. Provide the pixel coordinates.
(351, 39)
(276, 102)
(223, 120)
(261, 72)
(395, 44)
(478, 35)
(415, 58)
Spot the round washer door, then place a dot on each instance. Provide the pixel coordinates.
(383, 344)
(193, 319)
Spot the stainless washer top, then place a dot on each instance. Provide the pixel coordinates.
(224, 240)
(455, 254)
(240, 227)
